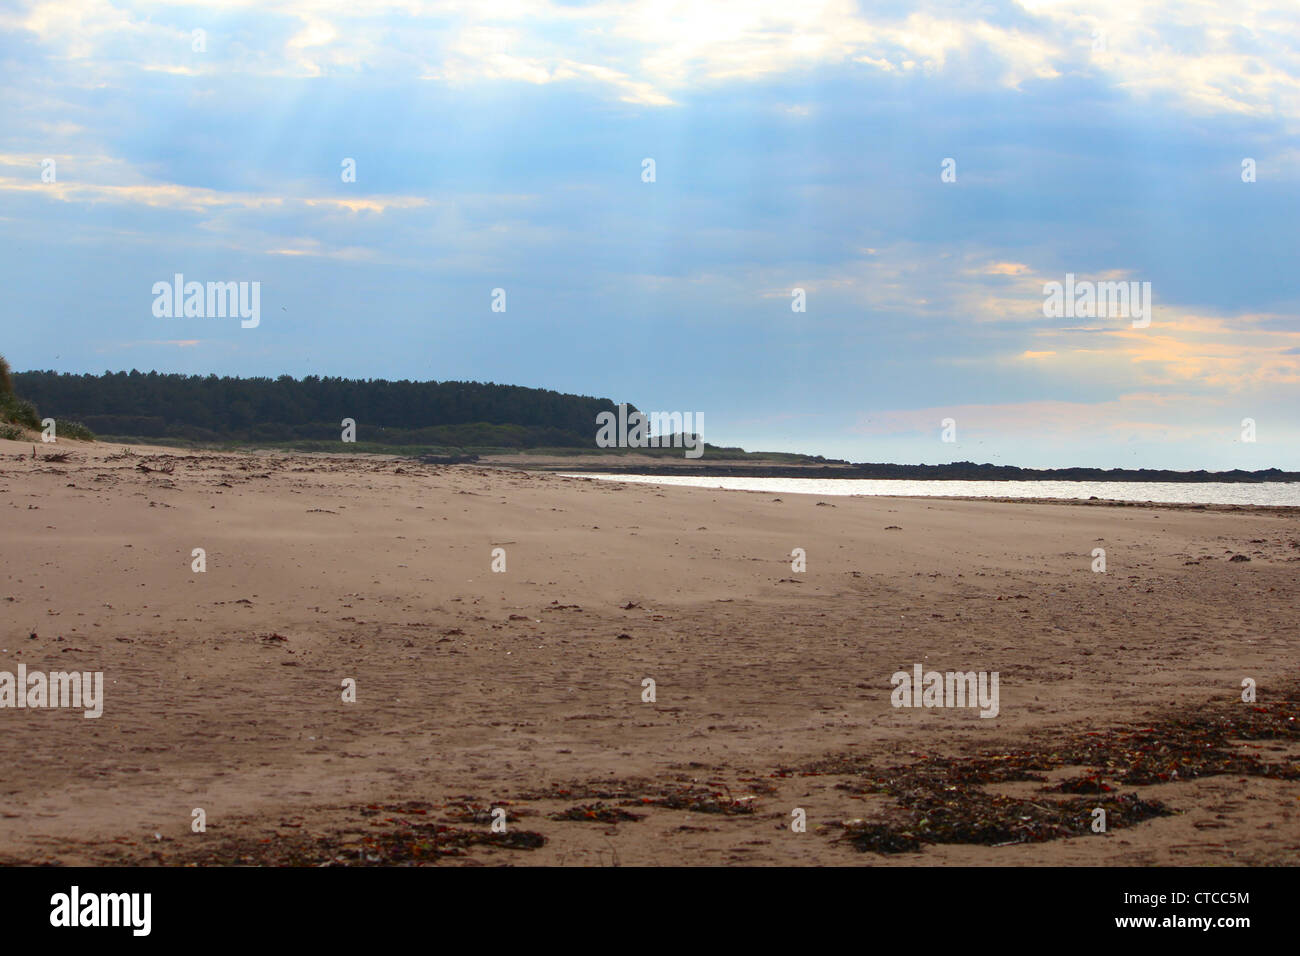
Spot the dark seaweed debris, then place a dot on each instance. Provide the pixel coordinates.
(994, 820)
(596, 813)
(402, 834)
(702, 800)
(426, 842)
(697, 798)
(403, 845)
(942, 799)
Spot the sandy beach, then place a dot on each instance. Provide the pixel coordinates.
(523, 689)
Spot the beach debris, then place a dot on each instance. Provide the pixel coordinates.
(400, 834)
(162, 470)
(712, 798)
(477, 813)
(942, 799)
(701, 800)
(996, 821)
(596, 813)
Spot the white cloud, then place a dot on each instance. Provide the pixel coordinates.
(1240, 58)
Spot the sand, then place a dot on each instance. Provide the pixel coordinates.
(523, 690)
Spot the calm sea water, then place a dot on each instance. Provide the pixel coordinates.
(1206, 492)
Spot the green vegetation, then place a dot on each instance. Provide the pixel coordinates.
(287, 411)
(75, 430)
(452, 419)
(400, 418)
(17, 415)
(14, 409)
(360, 447)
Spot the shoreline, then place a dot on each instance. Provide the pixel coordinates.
(631, 479)
(660, 466)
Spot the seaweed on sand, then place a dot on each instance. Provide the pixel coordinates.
(596, 813)
(942, 799)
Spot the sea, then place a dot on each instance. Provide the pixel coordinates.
(1272, 493)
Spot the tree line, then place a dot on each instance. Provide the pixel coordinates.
(284, 409)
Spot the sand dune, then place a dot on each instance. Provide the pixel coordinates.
(523, 689)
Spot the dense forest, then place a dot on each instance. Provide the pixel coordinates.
(197, 408)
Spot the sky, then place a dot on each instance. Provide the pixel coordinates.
(921, 171)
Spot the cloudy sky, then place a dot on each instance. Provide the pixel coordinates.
(796, 145)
